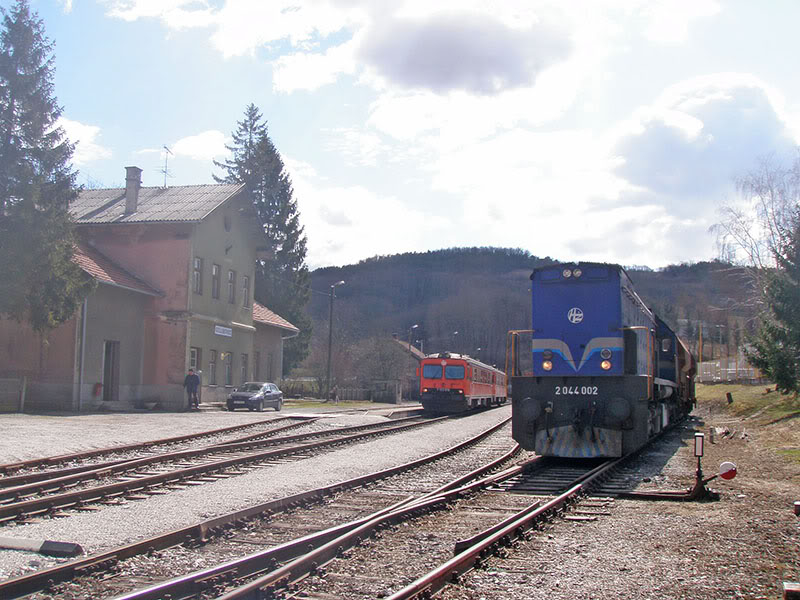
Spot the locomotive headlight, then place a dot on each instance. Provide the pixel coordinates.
(566, 273)
(547, 365)
(547, 355)
(577, 272)
(605, 354)
(605, 365)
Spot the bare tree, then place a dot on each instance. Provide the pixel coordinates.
(759, 227)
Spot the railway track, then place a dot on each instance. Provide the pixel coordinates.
(400, 554)
(140, 478)
(221, 434)
(220, 539)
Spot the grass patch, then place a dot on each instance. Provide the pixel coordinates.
(749, 400)
(793, 455)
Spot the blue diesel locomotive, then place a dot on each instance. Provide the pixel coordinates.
(608, 374)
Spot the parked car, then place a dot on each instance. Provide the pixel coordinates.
(255, 395)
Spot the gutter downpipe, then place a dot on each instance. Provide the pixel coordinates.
(84, 312)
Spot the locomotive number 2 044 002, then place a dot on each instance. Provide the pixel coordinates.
(577, 390)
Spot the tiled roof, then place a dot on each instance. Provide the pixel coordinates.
(155, 204)
(107, 271)
(261, 314)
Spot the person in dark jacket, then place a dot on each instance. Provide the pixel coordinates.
(191, 383)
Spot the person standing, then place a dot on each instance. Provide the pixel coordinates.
(191, 383)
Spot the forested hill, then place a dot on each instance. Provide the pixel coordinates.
(463, 299)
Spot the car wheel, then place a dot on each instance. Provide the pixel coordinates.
(230, 406)
(279, 404)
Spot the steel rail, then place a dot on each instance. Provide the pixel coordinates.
(429, 584)
(117, 467)
(305, 551)
(203, 531)
(311, 561)
(141, 484)
(51, 460)
(15, 481)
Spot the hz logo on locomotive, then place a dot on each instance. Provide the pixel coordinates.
(575, 315)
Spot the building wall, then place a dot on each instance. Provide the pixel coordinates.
(219, 328)
(46, 363)
(113, 315)
(159, 253)
(269, 347)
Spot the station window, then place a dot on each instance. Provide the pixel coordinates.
(228, 365)
(257, 365)
(195, 356)
(245, 291)
(197, 276)
(212, 367)
(245, 359)
(231, 287)
(215, 276)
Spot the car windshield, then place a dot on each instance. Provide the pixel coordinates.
(454, 372)
(250, 387)
(432, 371)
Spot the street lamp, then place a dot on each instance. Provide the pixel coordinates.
(455, 333)
(330, 339)
(410, 329)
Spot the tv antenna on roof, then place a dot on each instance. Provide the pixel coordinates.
(165, 170)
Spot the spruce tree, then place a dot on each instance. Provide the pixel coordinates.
(775, 348)
(38, 280)
(282, 279)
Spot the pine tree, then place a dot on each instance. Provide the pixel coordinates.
(38, 280)
(282, 280)
(776, 347)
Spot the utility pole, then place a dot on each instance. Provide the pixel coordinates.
(330, 340)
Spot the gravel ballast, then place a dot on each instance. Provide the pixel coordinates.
(116, 525)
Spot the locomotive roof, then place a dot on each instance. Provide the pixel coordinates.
(582, 264)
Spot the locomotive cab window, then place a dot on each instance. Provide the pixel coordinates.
(454, 372)
(432, 371)
(665, 345)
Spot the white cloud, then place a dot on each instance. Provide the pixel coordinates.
(176, 14)
(85, 138)
(698, 136)
(245, 25)
(67, 4)
(461, 50)
(307, 71)
(345, 224)
(203, 146)
(359, 147)
(668, 21)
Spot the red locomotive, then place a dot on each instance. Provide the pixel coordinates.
(453, 383)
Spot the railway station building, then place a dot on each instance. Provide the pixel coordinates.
(175, 269)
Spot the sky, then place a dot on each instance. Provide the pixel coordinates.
(602, 130)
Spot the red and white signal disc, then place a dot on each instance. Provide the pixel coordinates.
(727, 470)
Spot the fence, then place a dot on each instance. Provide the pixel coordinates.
(728, 370)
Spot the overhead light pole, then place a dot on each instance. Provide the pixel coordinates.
(330, 339)
(411, 329)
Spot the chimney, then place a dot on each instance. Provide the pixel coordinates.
(133, 181)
